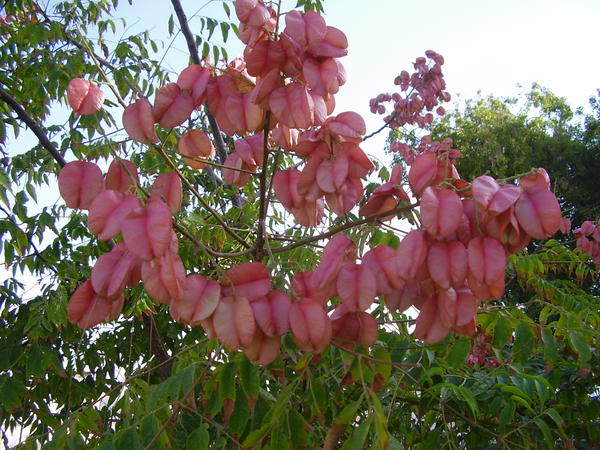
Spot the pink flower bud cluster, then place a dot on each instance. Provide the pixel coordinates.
(423, 91)
(426, 145)
(482, 353)
(588, 239)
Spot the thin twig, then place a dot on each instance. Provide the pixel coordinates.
(369, 358)
(344, 227)
(385, 125)
(194, 191)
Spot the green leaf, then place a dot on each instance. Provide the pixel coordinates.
(227, 9)
(297, 427)
(225, 30)
(502, 332)
(227, 381)
(171, 25)
(279, 439)
(523, 402)
(129, 439)
(550, 346)
(514, 391)
(523, 345)
(149, 428)
(506, 414)
(198, 439)
(580, 346)
(348, 414)
(241, 414)
(458, 352)
(543, 426)
(249, 378)
(358, 437)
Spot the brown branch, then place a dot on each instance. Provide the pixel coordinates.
(33, 126)
(263, 206)
(344, 227)
(194, 191)
(369, 358)
(156, 346)
(385, 125)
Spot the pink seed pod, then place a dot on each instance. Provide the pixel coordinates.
(247, 280)
(87, 308)
(310, 325)
(84, 96)
(194, 79)
(172, 105)
(138, 121)
(193, 145)
(487, 261)
(272, 313)
(79, 183)
(122, 176)
(353, 329)
(233, 322)
(167, 187)
(356, 287)
(147, 232)
(164, 278)
(109, 211)
(263, 349)
(441, 211)
(198, 300)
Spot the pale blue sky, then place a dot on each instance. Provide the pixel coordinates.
(488, 46)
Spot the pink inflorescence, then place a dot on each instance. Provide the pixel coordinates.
(423, 90)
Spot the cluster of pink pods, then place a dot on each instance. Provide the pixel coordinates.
(588, 237)
(424, 90)
(284, 87)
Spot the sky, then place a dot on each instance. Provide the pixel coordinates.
(497, 48)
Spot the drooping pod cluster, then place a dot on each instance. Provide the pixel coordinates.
(281, 94)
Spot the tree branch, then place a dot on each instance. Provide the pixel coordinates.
(344, 227)
(264, 205)
(33, 126)
(194, 191)
(165, 363)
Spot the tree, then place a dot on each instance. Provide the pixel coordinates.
(503, 136)
(251, 247)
